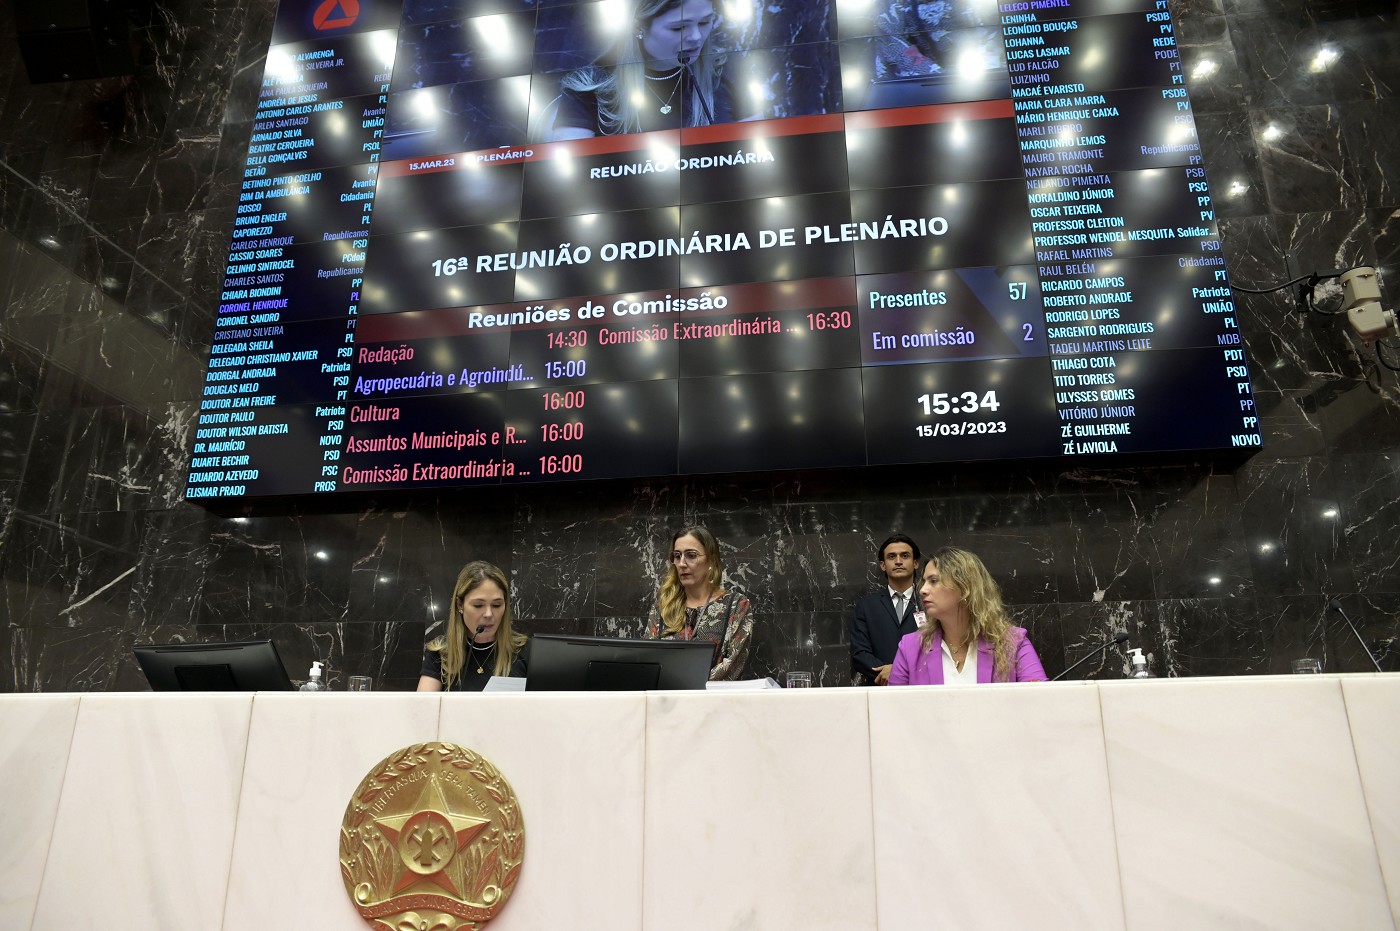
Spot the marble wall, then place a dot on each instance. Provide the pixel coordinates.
(116, 201)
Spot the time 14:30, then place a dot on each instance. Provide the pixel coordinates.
(965, 403)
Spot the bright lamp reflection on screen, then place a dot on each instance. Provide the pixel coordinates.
(385, 46)
(494, 33)
(280, 66)
(425, 104)
(972, 62)
(736, 13)
(519, 89)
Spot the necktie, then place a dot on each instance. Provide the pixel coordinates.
(899, 607)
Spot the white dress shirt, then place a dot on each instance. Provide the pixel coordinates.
(907, 594)
(951, 675)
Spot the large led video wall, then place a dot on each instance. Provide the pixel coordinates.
(488, 241)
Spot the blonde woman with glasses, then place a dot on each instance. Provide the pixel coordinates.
(693, 604)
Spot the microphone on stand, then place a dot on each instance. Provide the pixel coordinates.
(1336, 605)
(685, 58)
(1120, 637)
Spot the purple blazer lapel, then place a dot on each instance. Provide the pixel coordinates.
(934, 659)
(984, 661)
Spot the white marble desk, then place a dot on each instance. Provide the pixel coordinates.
(1205, 803)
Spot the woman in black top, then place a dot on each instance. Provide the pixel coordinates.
(479, 642)
(662, 73)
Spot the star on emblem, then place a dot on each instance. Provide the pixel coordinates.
(428, 837)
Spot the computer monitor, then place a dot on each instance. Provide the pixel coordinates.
(561, 663)
(250, 666)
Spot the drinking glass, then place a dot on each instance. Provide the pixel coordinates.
(799, 680)
(361, 683)
(1307, 665)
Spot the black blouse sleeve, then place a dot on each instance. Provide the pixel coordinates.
(432, 665)
(520, 668)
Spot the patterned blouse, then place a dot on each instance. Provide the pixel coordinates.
(726, 622)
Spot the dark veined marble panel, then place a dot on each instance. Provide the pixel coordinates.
(1291, 425)
(1306, 164)
(1305, 54)
(1103, 548)
(1211, 65)
(1293, 517)
(1371, 131)
(634, 548)
(1199, 541)
(405, 562)
(292, 568)
(825, 570)
(70, 571)
(169, 585)
(60, 659)
(94, 459)
(1236, 179)
(1370, 486)
(1309, 627)
(555, 555)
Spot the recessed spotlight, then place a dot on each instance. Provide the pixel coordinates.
(1324, 59)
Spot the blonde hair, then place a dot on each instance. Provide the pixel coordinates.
(623, 80)
(987, 617)
(671, 601)
(452, 645)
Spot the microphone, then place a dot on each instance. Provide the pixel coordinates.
(1120, 637)
(1336, 605)
(685, 58)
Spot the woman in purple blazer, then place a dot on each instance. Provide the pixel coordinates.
(966, 636)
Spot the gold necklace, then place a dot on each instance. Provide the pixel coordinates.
(481, 660)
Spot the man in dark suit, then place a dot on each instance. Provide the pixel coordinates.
(882, 618)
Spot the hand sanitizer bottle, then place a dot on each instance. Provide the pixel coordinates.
(314, 684)
(1140, 670)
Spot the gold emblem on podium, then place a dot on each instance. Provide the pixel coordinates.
(432, 841)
